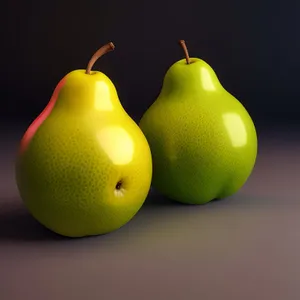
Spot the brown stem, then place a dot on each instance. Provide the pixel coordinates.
(186, 52)
(104, 49)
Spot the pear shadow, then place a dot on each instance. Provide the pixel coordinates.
(17, 224)
(155, 199)
(217, 200)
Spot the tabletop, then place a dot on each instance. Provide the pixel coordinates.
(240, 248)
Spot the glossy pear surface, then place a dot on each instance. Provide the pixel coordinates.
(202, 139)
(84, 166)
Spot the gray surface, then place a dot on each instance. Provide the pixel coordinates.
(244, 247)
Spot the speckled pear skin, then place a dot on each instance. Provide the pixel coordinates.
(202, 139)
(76, 152)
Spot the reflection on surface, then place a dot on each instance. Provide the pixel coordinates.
(102, 96)
(117, 144)
(206, 79)
(236, 129)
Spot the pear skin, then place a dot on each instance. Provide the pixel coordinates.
(84, 166)
(202, 139)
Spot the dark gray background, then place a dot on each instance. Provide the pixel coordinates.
(244, 247)
(252, 45)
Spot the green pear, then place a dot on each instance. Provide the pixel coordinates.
(202, 139)
(84, 166)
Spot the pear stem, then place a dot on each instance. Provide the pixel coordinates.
(103, 50)
(186, 52)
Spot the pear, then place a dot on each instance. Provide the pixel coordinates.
(202, 139)
(84, 166)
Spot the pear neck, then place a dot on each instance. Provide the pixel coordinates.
(195, 77)
(88, 92)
